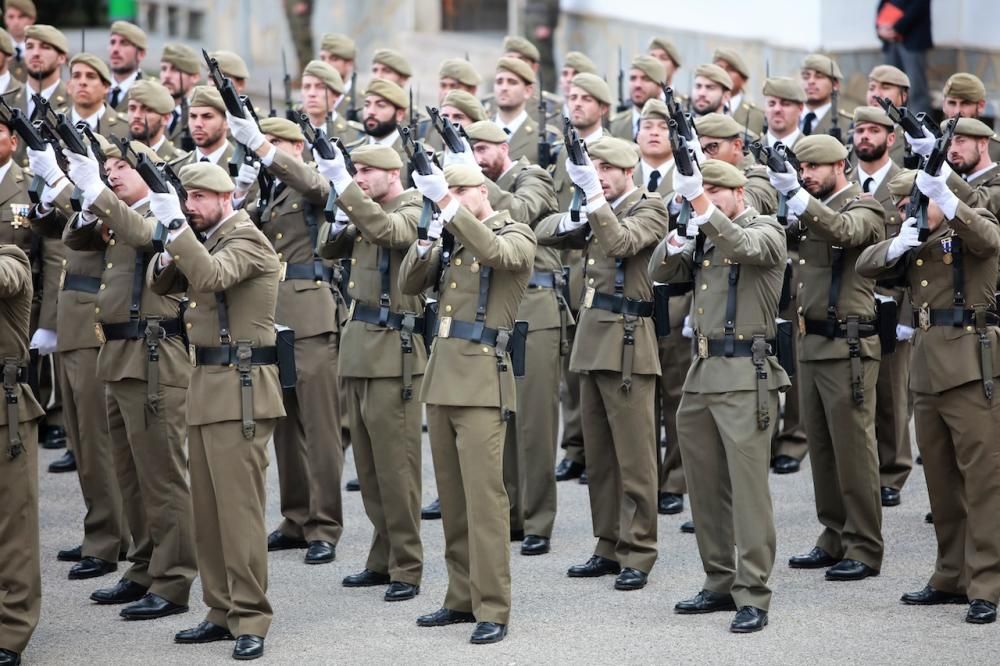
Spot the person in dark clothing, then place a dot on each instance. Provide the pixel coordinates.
(904, 26)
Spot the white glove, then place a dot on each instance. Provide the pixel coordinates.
(921, 145)
(674, 206)
(791, 220)
(695, 221)
(334, 170)
(675, 244)
(686, 330)
(909, 237)
(694, 145)
(784, 182)
(689, 187)
(44, 340)
(904, 332)
(434, 186)
(245, 131)
(936, 189)
(43, 163)
(566, 224)
(466, 157)
(166, 207)
(85, 174)
(247, 176)
(585, 177)
(435, 227)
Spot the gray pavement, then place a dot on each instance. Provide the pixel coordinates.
(554, 619)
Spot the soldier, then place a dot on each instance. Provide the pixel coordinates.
(541, 17)
(457, 74)
(645, 82)
(384, 361)
(45, 54)
(391, 65)
(233, 66)
(521, 49)
(469, 387)
(952, 276)
(307, 442)
(893, 84)
(965, 96)
(784, 99)
(820, 77)
(126, 50)
(339, 52)
(18, 16)
(513, 88)
(746, 113)
(180, 71)
(149, 106)
(384, 113)
(712, 87)
(839, 356)
(615, 352)
(574, 63)
(731, 390)
(462, 108)
(972, 175)
(20, 570)
(233, 400)
(722, 138)
(666, 52)
(208, 128)
(89, 79)
(322, 91)
(8, 82)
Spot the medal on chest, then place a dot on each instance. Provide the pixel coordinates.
(20, 216)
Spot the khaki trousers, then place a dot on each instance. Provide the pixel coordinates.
(572, 425)
(20, 569)
(892, 417)
(675, 360)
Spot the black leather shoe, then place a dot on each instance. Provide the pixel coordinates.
(890, 496)
(54, 437)
(931, 597)
(248, 647)
(929, 518)
(687, 527)
(534, 545)
(631, 579)
(9, 658)
(748, 620)
(920, 460)
(122, 592)
(705, 602)
(276, 540)
(432, 511)
(399, 591)
(151, 607)
(443, 617)
(594, 567)
(320, 552)
(817, 558)
(70, 554)
(981, 612)
(783, 464)
(584, 479)
(205, 632)
(850, 570)
(568, 470)
(670, 504)
(353, 486)
(67, 463)
(366, 578)
(516, 535)
(488, 632)
(91, 567)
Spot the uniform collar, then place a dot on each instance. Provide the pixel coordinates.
(213, 157)
(876, 177)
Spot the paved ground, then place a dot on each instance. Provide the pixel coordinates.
(555, 619)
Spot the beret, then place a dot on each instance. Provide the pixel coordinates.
(137, 147)
(785, 87)
(616, 152)
(971, 127)
(466, 103)
(966, 87)
(594, 85)
(655, 108)
(732, 57)
(131, 32)
(27, 7)
(901, 184)
(152, 94)
(6, 42)
(205, 176)
(49, 35)
(486, 130)
(95, 63)
(207, 96)
(515, 44)
(820, 149)
(717, 125)
(394, 60)
(716, 74)
(460, 70)
(231, 64)
(463, 175)
(518, 68)
(651, 67)
(338, 45)
(388, 91)
(282, 128)
(722, 174)
(872, 114)
(181, 56)
(580, 63)
(666, 45)
(891, 75)
(325, 73)
(377, 156)
(823, 64)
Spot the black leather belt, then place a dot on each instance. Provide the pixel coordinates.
(545, 280)
(135, 329)
(622, 305)
(84, 283)
(466, 330)
(393, 320)
(307, 272)
(830, 328)
(953, 317)
(717, 347)
(227, 355)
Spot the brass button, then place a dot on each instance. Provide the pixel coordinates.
(350, 209)
(924, 305)
(969, 329)
(920, 262)
(64, 262)
(295, 206)
(281, 255)
(706, 263)
(357, 239)
(800, 285)
(110, 265)
(591, 262)
(447, 308)
(704, 287)
(279, 236)
(103, 286)
(351, 284)
(802, 261)
(739, 337)
(454, 285)
(192, 305)
(701, 311)
(188, 325)
(923, 283)
(486, 350)
(590, 280)
(354, 260)
(458, 261)
(97, 310)
(112, 241)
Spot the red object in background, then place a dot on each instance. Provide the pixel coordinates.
(888, 15)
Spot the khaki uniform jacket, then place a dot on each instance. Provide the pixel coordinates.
(189, 158)
(112, 124)
(758, 192)
(15, 228)
(893, 223)
(623, 125)
(524, 142)
(749, 115)
(459, 372)
(15, 318)
(825, 123)
(170, 153)
(60, 102)
(983, 191)
(237, 260)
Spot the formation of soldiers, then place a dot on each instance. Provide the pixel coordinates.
(747, 283)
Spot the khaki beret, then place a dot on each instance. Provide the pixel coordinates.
(394, 60)
(785, 87)
(486, 130)
(901, 184)
(820, 149)
(655, 108)
(27, 7)
(281, 128)
(131, 32)
(327, 74)
(718, 126)
(595, 86)
(616, 152)
(95, 63)
(971, 127)
(722, 174)
(339, 45)
(181, 56)
(716, 74)
(137, 147)
(515, 44)
(153, 95)
(388, 91)
(377, 156)
(651, 67)
(231, 64)
(205, 176)
(207, 96)
(460, 70)
(891, 75)
(732, 57)
(466, 103)
(872, 114)
(823, 64)
(6, 42)
(463, 175)
(666, 45)
(48, 35)
(580, 63)
(966, 87)
(518, 68)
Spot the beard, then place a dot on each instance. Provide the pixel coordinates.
(869, 152)
(379, 128)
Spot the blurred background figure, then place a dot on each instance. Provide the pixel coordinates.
(904, 26)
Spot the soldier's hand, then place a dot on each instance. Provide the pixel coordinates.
(786, 182)
(585, 177)
(432, 186)
(936, 189)
(85, 172)
(689, 187)
(922, 145)
(466, 157)
(43, 163)
(245, 131)
(909, 237)
(694, 145)
(44, 340)
(166, 207)
(247, 176)
(904, 332)
(334, 170)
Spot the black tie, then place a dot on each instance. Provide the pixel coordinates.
(654, 181)
(507, 130)
(173, 121)
(807, 126)
(17, 53)
(204, 159)
(115, 97)
(36, 107)
(867, 186)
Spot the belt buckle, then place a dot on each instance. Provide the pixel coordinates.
(444, 327)
(99, 332)
(192, 356)
(702, 346)
(588, 297)
(281, 273)
(350, 309)
(802, 324)
(924, 318)
(62, 279)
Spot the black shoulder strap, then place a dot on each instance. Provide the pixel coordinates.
(730, 326)
(138, 282)
(220, 300)
(485, 273)
(836, 279)
(958, 280)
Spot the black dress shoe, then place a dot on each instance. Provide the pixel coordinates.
(516, 535)
(534, 545)
(432, 511)
(320, 552)
(584, 479)
(568, 470)
(920, 460)
(67, 463)
(670, 504)
(929, 518)
(443, 617)
(366, 578)
(687, 527)
(9, 658)
(931, 597)
(783, 464)
(890, 496)
(70, 554)
(124, 591)
(248, 647)
(748, 620)
(705, 602)
(594, 567)
(205, 632)
(152, 607)
(353, 486)
(981, 612)
(488, 632)
(817, 558)
(54, 437)
(91, 567)
(399, 591)
(276, 540)
(631, 579)
(850, 570)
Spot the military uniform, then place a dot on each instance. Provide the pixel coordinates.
(169, 152)
(751, 116)
(623, 124)
(982, 191)
(60, 102)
